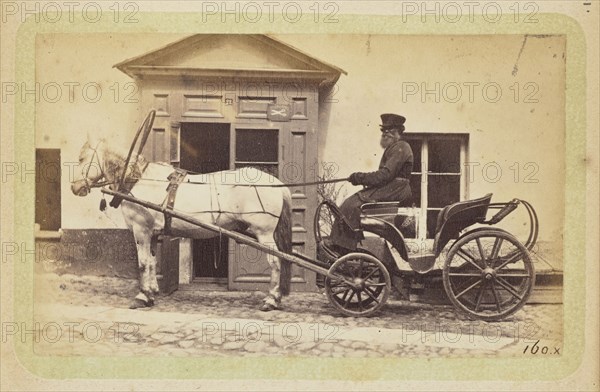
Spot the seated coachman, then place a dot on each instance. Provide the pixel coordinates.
(389, 183)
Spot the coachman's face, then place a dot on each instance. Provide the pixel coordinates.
(387, 138)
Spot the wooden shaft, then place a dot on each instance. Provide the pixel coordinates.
(244, 239)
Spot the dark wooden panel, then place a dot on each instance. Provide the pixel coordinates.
(167, 263)
(47, 189)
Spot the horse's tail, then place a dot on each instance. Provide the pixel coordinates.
(283, 240)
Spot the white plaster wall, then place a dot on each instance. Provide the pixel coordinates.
(505, 132)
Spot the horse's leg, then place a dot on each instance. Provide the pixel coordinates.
(147, 267)
(273, 300)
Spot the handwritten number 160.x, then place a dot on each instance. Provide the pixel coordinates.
(535, 349)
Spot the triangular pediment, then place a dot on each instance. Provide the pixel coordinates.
(220, 54)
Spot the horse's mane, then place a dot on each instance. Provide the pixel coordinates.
(115, 157)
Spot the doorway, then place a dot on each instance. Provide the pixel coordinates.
(204, 148)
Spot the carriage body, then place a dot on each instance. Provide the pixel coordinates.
(487, 272)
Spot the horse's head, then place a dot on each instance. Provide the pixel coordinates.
(90, 170)
(101, 164)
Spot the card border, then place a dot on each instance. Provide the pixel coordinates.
(513, 369)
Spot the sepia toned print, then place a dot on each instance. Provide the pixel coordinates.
(288, 204)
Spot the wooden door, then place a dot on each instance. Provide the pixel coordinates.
(254, 145)
(288, 150)
(167, 264)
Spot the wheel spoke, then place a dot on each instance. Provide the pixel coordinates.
(349, 298)
(466, 255)
(471, 287)
(466, 284)
(344, 272)
(496, 298)
(496, 250)
(475, 274)
(338, 283)
(346, 294)
(375, 284)
(360, 306)
(480, 296)
(468, 258)
(343, 279)
(371, 295)
(508, 261)
(508, 287)
(509, 275)
(343, 289)
(371, 273)
(373, 292)
(480, 247)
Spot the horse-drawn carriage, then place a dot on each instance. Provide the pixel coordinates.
(487, 272)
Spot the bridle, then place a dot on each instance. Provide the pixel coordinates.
(88, 185)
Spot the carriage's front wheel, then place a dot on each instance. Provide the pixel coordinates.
(488, 274)
(358, 284)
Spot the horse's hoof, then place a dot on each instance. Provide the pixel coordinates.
(138, 303)
(266, 307)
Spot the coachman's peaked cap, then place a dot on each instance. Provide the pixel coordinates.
(389, 120)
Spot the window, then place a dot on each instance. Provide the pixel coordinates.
(257, 148)
(437, 179)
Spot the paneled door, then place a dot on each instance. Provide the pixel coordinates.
(282, 153)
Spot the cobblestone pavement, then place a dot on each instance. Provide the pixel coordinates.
(193, 323)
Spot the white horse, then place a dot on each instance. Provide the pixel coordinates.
(226, 199)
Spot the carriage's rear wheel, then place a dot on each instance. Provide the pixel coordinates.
(361, 286)
(488, 274)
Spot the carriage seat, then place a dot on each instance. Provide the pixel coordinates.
(380, 208)
(475, 212)
(389, 212)
(456, 217)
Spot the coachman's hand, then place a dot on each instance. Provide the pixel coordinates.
(355, 178)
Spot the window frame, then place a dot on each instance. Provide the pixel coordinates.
(425, 138)
(253, 127)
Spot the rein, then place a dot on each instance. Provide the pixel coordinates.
(255, 185)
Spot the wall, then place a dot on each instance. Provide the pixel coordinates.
(506, 131)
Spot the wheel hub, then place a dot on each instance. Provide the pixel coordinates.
(359, 283)
(488, 273)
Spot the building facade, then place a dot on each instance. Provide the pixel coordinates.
(477, 109)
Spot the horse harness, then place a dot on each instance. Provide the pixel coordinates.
(175, 179)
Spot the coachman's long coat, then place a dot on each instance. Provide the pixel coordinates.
(389, 183)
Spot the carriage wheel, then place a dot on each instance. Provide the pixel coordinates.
(361, 286)
(488, 274)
